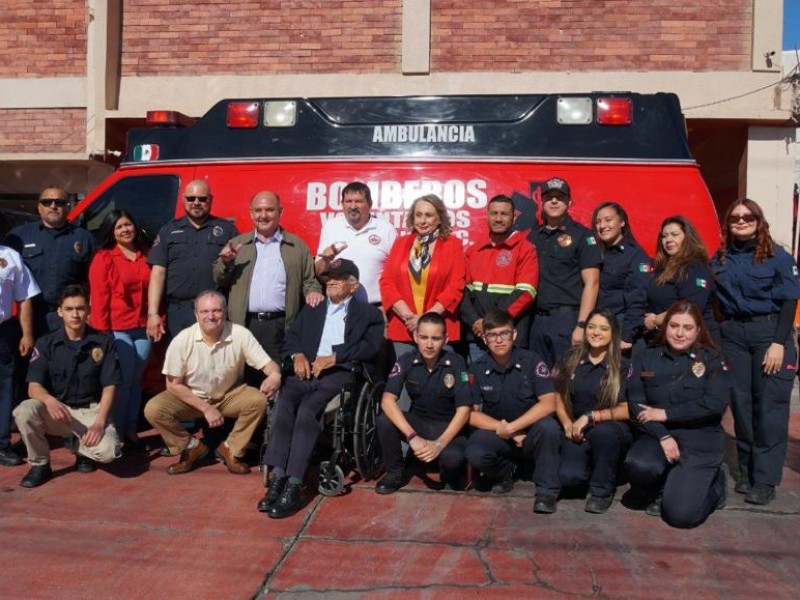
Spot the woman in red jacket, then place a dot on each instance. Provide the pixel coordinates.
(118, 279)
(424, 272)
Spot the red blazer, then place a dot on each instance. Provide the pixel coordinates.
(446, 275)
(118, 291)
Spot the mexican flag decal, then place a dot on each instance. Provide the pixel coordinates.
(145, 152)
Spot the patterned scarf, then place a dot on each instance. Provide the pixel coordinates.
(421, 254)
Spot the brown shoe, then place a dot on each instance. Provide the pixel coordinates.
(188, 459)
(234, 465)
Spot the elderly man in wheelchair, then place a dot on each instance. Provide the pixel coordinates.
(324, 344)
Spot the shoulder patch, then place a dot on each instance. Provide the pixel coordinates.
(467, 378)
(701, 283)
(645, 268)
(396, 370)
(794, 270)
(35, 354)
(590, 241)
(630, 371)
(157, 241)
(542, 371)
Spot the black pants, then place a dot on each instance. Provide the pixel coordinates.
(9, 342)
(494, 457)
(691, 487)
(551, 335)
(451, 460)
(596, 459)
(269, 333)
(180, 315)
(299, 420)
(760, 403)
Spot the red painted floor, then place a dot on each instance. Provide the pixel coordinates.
(132, 531)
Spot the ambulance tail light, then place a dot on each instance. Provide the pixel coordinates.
(614, 111)
(281, 113)
(243, 115)
(167, 118)
(574, 111)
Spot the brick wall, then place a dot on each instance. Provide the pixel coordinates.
(162, 37)
(43, 38)
(576, 35)
(39, 130)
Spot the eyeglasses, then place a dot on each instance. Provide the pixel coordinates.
(202, 199)
(59, 202)
(497, 336)
(734, 219)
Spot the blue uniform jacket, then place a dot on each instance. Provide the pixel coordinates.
(509, 393)
(623, 286)
(747, 289)
(692, 386)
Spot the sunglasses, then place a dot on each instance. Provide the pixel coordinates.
(734, 219)
(202, 199)
(59, 202)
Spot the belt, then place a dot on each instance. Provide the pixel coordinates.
(558, 310)
(267, 316)
(753, 318)
(376, 304)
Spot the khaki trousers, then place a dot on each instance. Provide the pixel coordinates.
(34, 423)
(244, 403)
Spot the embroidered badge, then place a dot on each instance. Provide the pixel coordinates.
(700, 282)
(645, 268)
(78, 247)
(503, 258)
(157, 241)
(590, 241)
(542, 371)
(3, 263)
(97, 354)
(794, 270)
(396, 370)
(698, 368)
(449, 381)
(467, 378)
(35, 354)
(374, 239)
(217, 231)
(564, 240)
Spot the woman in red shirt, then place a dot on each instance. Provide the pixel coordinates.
(118, 279)
(424, 272)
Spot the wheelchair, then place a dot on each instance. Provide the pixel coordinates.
(350, 433)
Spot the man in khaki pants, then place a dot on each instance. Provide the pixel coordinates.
(71, 382)
(204, 367)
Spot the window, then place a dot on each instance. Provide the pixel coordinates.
(149, 198)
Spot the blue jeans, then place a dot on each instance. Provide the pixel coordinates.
(133, 349)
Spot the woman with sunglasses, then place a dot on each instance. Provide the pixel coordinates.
(757, 290)
(680, 272)
(118, 281)
(626, 271)
(590, 382)
(677, 393)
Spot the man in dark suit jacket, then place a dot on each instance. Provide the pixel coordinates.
(323, 343)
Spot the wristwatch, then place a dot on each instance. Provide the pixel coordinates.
(581, 324)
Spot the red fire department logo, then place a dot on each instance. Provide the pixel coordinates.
(374, 239)
(503, 258)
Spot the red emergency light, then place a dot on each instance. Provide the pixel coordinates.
(167, 118)
(614, 111)
(243, 115)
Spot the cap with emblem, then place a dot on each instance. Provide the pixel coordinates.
(341, 267)
(556, 185)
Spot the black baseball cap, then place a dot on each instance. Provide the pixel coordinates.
(556, 185)
(341, 267)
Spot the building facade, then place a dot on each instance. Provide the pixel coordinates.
(78, 73)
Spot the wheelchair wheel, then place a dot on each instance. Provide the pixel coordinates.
(366, 451)
(331, 479)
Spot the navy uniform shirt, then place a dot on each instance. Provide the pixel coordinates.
(692, 386)
(56, 257)
(586, 383)
(563, 253)
(697, 288)
(507, 393)
(623, 285)
(75, 372)
(436, 394)
(187, 254)
(747, 289)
